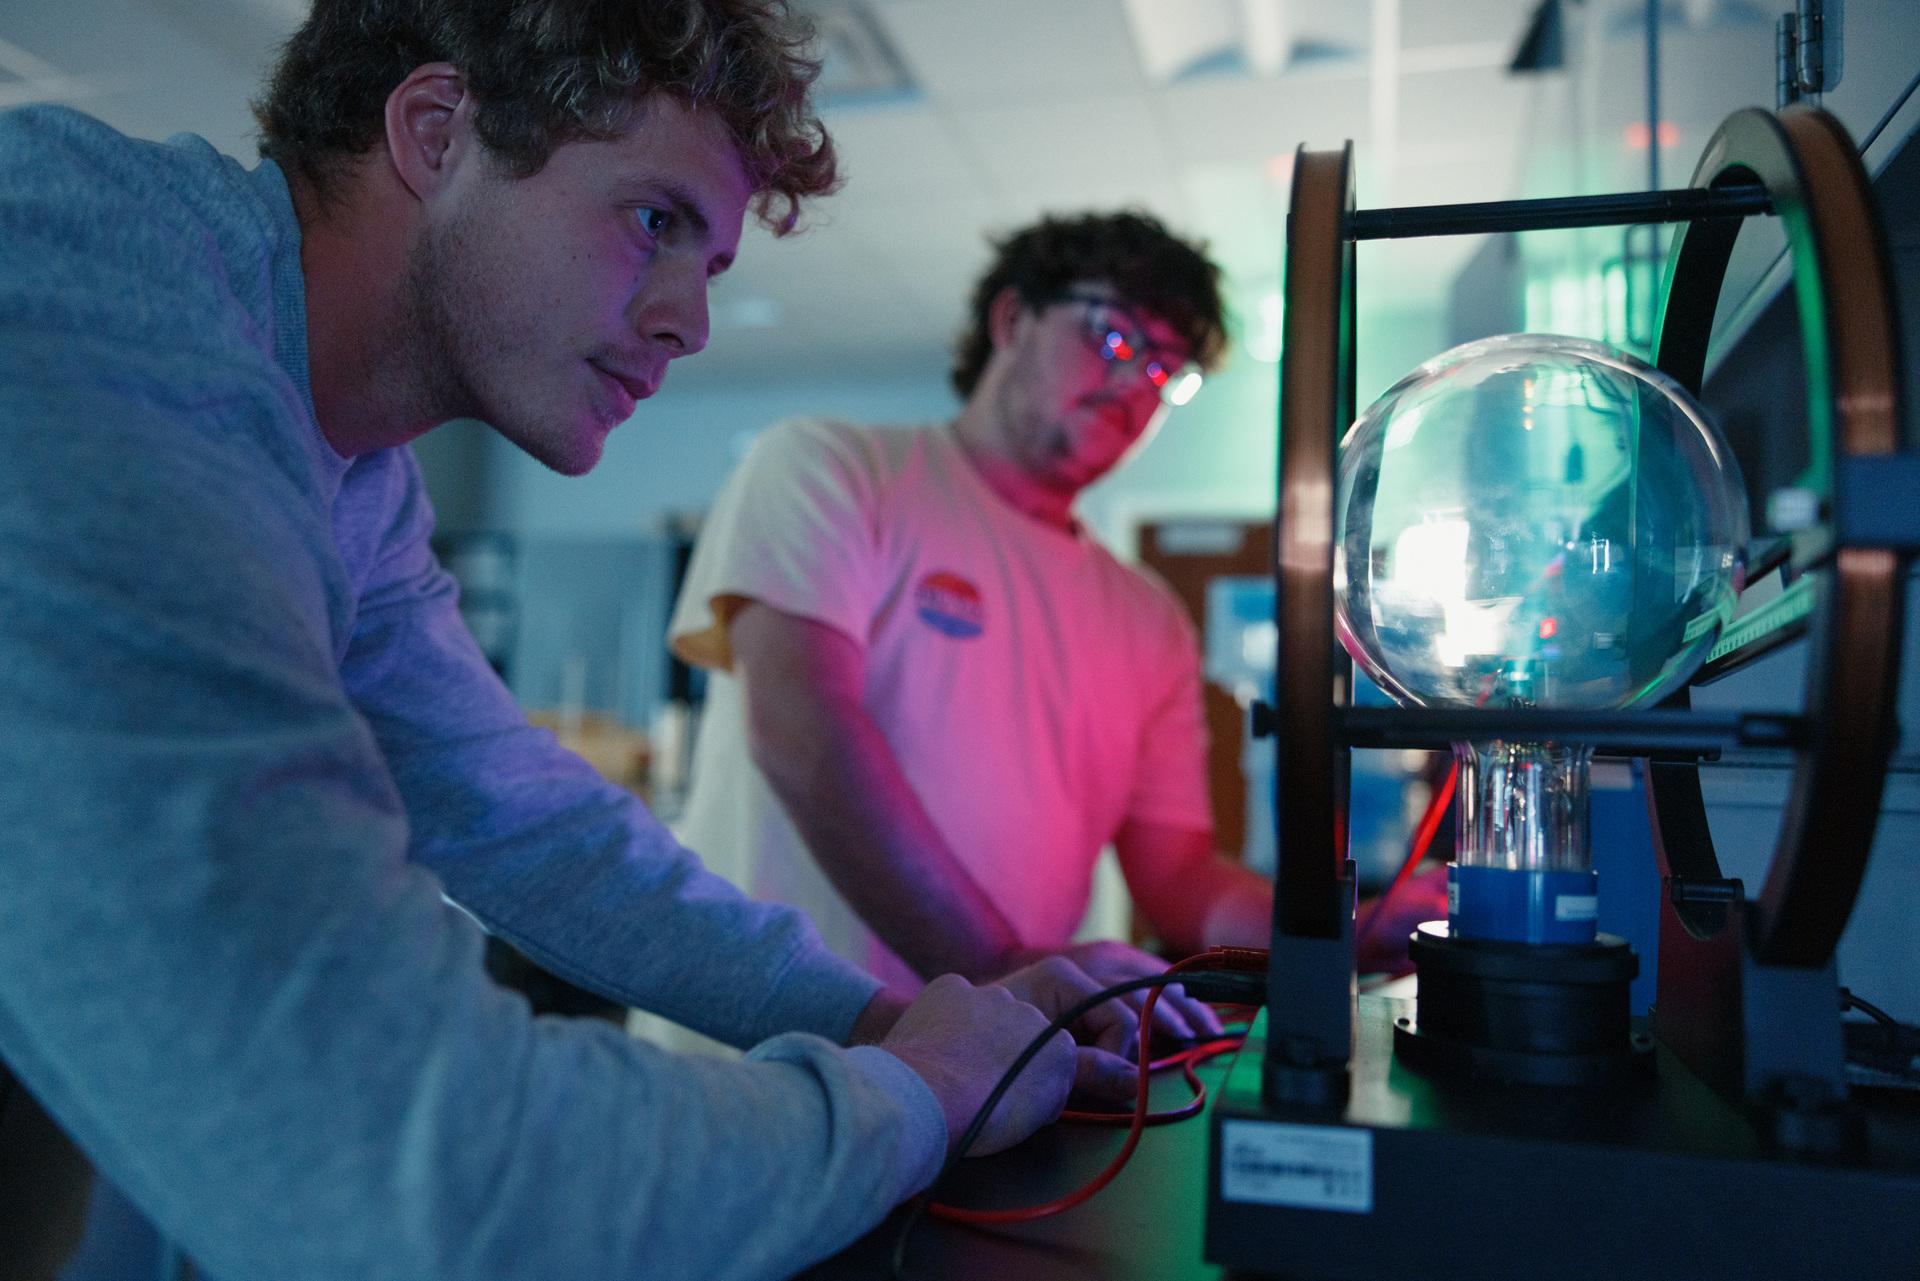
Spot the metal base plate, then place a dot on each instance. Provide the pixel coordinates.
(1425, 1178)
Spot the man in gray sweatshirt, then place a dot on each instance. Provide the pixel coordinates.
(248, 752)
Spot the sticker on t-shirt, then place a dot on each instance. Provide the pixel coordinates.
(950, 605)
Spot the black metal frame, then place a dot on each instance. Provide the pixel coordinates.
(1688, 204)
(1800, 166)
(1311, 952)
(1691, 1172)
(1850, 333)
(1663, 732)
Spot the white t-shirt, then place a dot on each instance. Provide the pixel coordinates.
(1036, 692)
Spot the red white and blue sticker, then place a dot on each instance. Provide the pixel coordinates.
(950, 605)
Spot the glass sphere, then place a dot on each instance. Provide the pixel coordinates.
(1535, 520)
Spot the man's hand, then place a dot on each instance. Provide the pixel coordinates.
(877, 1019)
(1104, 1064)
(1105, 963)
(960, 1039)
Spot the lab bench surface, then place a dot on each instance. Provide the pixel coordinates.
(1147, 1223)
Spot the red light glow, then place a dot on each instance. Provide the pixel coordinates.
(1549, 628)
(1635, 135)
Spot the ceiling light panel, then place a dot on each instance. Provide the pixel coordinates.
(1013, 52)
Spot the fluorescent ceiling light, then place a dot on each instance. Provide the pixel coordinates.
(858, 63)
(1177, 38)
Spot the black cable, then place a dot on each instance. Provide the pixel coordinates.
(1848, 1001)
(1902, 1041)
(1236, 985)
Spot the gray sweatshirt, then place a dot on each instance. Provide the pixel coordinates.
(246, 744)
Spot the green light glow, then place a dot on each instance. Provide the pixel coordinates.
(1583, 304)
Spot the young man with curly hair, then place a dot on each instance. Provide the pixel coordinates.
(937, 698)
(248, 753)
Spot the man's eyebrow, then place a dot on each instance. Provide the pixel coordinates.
(1143, 320)
(684, 204)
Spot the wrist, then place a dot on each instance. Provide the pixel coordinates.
(1240, 917)
(873, 1023)
(1005, 962)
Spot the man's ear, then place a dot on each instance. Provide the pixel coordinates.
(430, 127)
(1004, 315)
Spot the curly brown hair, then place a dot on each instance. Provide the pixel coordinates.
(547, 72)
(1147, 265)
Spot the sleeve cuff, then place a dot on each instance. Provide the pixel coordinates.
(818, 992)
(923, 1139)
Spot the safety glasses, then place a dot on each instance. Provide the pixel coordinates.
(1113, 332)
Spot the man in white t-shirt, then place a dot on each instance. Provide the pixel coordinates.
(935, 697)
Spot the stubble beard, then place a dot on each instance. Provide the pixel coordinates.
(449, 323)
(424, 331)
(1034, 439)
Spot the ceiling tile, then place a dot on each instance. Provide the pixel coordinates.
(929, 255)
(1024, 106)
(1249, 119)
(1424, 23)
(156, 42)
(1447, 106)
(1092, 140)
(1009, 52)
(901, 150)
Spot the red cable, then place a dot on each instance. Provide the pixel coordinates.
(1227, 958)
(1186, 1060)
(1422, 838)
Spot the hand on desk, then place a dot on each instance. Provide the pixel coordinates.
(1176, 1016)
(960, 1039)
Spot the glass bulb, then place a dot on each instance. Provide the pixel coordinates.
(1534, 521)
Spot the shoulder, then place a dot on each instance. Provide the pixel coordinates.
(63, 146)
(384, 489)
(136, 290)
(865, 456)
(808, 436)
(835, 437)
(1149, 602)
(66, 174)
(162, 247)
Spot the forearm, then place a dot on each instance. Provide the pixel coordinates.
(261, 1064)
(1193, 897)
(841, 784)
(566, 867)
(594, 890)
(1240, 911)
(1220, 904)
(878, 1018)
(557, 1147)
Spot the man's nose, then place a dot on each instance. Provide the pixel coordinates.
(672, 311)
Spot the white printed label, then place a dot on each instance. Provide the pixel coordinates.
(1453, 897)
(1575, 907)
(1310, 1167)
